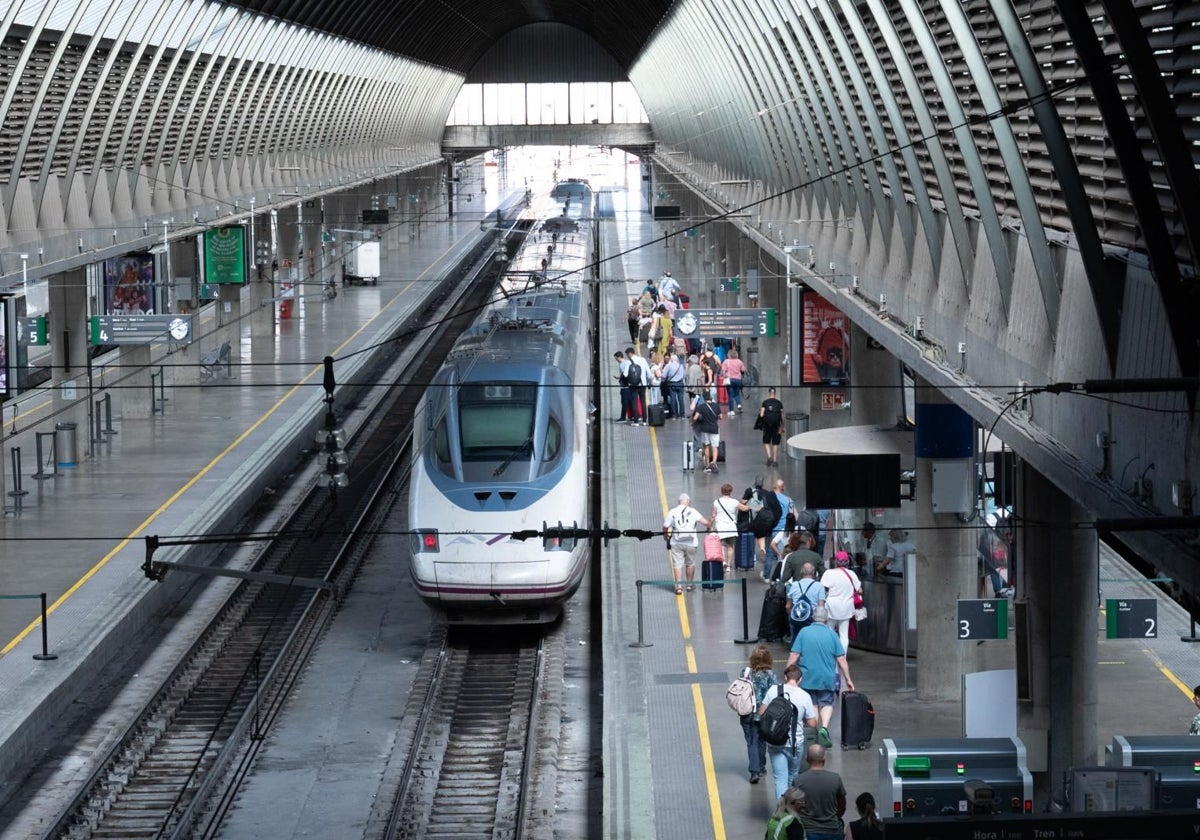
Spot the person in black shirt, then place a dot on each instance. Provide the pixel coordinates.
(770, 419)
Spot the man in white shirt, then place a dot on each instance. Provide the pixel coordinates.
(899, 547)
(681, 531)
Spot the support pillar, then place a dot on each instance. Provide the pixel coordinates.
(1057, 568)
(946, 563)
(875, 373)
(69, 350)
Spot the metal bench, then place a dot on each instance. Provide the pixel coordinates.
(217, 364)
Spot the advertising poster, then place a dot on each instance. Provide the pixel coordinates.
(826, 342)
(225, 256)
(129, 285)
(3, 348)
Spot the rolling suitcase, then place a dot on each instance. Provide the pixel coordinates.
(657, 414)
(772, 622)
(721, 452)
(743, 553)
(689, 456)
(713, 550)
(711, 572)
(858, 720)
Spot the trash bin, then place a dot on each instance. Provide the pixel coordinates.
(64, 445)
(797, 424)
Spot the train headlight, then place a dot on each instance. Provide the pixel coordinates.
(425, 541)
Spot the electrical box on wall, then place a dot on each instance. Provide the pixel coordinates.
(951, 491)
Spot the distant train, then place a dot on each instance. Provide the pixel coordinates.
(501, 435)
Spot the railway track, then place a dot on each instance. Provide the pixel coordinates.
(175, 770)
(483, 714)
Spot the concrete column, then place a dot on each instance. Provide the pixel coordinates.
(1057, 564)
(946, 563)
(68, 354)
(135, 396)
(875, 373)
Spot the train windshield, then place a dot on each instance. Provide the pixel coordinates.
(496, 422)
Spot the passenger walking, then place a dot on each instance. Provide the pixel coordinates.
(780, 535)
(799, 554)
(820, 651)
(761, 674)
(724, 523)
(734, 370)
(707, 421)
(770, 419)
(785, 823)
(681, 531)
(694, 377)
(674, 373)
(785, 758)
(638, 383)
(868, 825)
(1194, 729)
(712, 373)
(622, 377)
(806, 589)
(840, 585)
(632, 317)
(824, 798)
(762, 511)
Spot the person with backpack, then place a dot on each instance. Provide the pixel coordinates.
(782, 725)
(706, 423)
(762, 510)
(681, 531)
(785, 823)
(638, 378)
(632, 317)
(770, 420)
(761, 674)
(821, 651)
(804, 595)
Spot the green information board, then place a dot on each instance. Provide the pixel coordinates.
(225, 256)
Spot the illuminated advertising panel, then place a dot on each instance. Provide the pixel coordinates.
(225, 256)
(826, 342)
(129, 285)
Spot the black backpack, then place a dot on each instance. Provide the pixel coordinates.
(772, 417)
(767, 515)
(809, 521)
(634, 377)
(779, 720)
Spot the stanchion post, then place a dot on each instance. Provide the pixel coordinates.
(162, 387)
(97, 429)
(154, 406)
(745, 640)
(45, 654)
(108, 427)
(1192, 638)
(41, 474)
(16, 492)
(641, 642)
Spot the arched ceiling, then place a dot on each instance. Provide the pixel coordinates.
(455, 33)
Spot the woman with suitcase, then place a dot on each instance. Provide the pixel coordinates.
(724, 523)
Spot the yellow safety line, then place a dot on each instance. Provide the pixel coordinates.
(1168, 673)
(706, 754)
(33, 625)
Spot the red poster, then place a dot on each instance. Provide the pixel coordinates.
(826, 342)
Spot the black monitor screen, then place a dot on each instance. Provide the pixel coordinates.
(852, 481)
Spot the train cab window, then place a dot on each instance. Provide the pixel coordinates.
(441, 442)
(553, 441)
(496, 420)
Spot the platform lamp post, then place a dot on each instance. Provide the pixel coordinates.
(332, 438)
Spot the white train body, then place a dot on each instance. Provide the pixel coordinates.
(501, 438)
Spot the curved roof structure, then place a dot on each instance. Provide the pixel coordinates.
(1017, 177)
(455, 35)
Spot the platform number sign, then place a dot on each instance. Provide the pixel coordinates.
(985, 618)
(1131, 618)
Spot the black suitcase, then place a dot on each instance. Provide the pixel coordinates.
(744, 551)
(721, 452)
(657, 414)
(773, 621)
(711, 573)
(689, 456)
(858, 720)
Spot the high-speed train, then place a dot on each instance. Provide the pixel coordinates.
(502, 436)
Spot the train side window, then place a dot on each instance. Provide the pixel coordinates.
(553, 440)
(441, 442)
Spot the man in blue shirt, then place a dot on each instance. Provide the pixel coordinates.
(821, 655)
